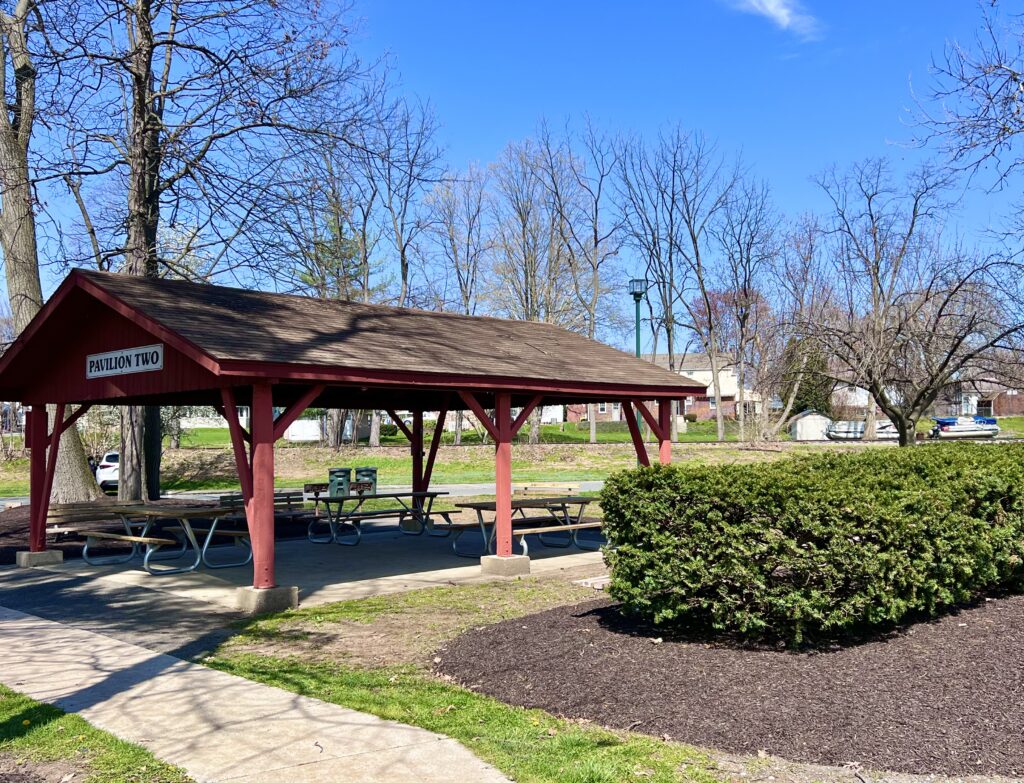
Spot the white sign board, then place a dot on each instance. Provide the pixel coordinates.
(146, 358)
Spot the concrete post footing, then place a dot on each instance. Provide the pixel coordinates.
(515, 565)
(33, 559)
(266, 600)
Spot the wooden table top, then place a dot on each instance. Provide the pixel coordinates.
(491, 505)
(177, 512)
(383, 495)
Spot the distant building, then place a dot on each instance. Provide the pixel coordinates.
(697, 367)
(983, 398)
(809, 425)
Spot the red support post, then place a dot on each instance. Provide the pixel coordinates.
(39, 534)
(416, 449)
(503, 474)
(36, 430)
(524, 414)
(665, 436)
(260, 509)
(284, 421)
(435, 441)
(480, 413)
(652, 422)
(238, 438)
(634, 431)
(399, 423)
(82, 410)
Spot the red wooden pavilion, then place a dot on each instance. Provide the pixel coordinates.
(115, 339)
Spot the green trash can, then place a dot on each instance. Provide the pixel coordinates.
(338, 480)
(367, 476)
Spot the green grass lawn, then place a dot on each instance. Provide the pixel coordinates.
(38, 732)
(530, 746)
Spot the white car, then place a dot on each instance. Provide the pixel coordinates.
(107, 471)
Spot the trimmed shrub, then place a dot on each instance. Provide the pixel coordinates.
(388, 430)
(690, 417)
(816, 547)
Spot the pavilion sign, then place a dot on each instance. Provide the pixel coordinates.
(146, 358)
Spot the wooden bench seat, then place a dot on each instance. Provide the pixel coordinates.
(555, 528)
(544, 489)
(288, 504)
(148, 540)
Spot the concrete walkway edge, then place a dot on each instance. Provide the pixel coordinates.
(216, 726)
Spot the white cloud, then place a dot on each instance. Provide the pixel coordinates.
(787, 14)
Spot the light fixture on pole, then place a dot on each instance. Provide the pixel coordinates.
(638, 288)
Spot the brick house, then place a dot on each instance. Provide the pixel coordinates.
(697, 366)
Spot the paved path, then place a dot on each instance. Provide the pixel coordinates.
(216, 726)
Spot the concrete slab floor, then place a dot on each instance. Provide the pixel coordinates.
(384, 562)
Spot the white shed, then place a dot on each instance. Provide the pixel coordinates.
(809, 425)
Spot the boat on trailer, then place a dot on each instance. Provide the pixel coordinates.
(854, 430)
(953, 427)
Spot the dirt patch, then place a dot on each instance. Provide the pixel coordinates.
(942, 697)
(407, 628)
(14, 769)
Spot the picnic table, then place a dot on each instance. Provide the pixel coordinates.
(346, 513)
(557, 515)
(156, 527)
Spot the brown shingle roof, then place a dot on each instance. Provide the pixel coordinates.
(238, 325)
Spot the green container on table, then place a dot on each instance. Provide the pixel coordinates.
(338, 480)
(367, 476)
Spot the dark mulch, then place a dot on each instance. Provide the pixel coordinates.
(14, 536)
(939, 697)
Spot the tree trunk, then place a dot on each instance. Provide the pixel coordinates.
(152, 449)
(535, 427)
(716, 385)
(592, 416)
(130, 468)
(458, 428)
(335, 428)
(140, 431)
(374, 429)
(870, 422)
(741, 412)
(907, 431)
(73, 480)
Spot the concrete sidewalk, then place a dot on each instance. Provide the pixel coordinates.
(216, 726)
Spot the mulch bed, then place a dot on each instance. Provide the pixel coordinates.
(939, 697)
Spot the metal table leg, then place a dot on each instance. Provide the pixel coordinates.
(238, 540)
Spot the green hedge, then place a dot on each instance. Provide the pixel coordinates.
(815, 547)
(603, 426)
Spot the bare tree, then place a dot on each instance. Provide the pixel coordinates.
(191, 107)
(779, 354)
(746, 236)
(580, 184)
(460, 231)
(673, 194)
(909, 314)
(532, 271)
(980, 96)
(405, 165)
(18, 83)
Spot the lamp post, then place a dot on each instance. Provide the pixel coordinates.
(637, 288)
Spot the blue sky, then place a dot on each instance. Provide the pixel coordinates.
(794, 86)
